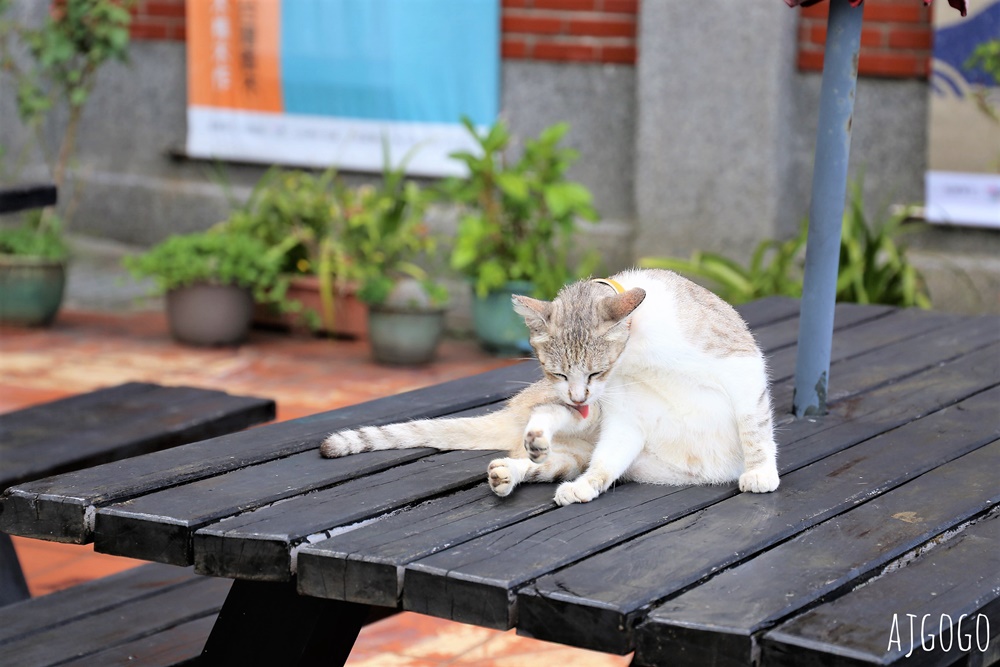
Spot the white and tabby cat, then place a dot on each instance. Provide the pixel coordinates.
(648, 377)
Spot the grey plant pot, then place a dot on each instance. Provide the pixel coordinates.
(402, 336)
(205, 314)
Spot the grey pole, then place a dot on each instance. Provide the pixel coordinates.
(826, 210)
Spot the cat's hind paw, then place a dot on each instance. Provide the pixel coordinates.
(500, 478)
(759, 480)
(577, 491)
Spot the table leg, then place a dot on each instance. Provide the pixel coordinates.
(269, 623)
(13, 587)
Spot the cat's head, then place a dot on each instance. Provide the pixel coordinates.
(579, 336)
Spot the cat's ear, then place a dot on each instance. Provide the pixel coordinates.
(617, 308)
(535, 312)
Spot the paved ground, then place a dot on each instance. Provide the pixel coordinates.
(105, 337)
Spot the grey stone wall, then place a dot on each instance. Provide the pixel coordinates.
(714, 122)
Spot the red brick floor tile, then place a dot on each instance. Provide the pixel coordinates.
(49, 566)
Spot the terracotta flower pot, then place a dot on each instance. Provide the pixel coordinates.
(350, 314)
(31, 290)
(206, 314)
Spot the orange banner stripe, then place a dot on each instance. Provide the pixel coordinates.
(234, 51)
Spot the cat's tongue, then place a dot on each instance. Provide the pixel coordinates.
(584, 410)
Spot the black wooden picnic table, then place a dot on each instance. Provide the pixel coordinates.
(896, 488)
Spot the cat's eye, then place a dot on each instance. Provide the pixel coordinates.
(595, 375)
(560, 376)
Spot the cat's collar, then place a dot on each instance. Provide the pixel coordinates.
(613, 284)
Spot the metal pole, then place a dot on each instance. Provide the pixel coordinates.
(826, 211)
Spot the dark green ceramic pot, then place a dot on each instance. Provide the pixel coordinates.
(31, 290)
(498, 328)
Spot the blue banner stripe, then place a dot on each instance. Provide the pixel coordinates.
(401, 60)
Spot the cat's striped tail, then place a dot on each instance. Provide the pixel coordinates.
(498, 430)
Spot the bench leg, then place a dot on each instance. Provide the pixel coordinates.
(268, 623)
(13, 587)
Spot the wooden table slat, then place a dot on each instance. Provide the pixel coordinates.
(59, 507)
(784, 333)
(899, 327)
(120, 426)
(960, 576)
(258, 545)
(159, 526)
(724, 617)
(140, 526)
(871, 369)
(769, 309)
(361, 565)
(634, 575)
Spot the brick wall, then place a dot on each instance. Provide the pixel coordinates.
(896, 38)
(602, 31)
(159, 19)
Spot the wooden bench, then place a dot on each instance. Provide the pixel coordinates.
(109, 425)
(27, 196)
(150, 615)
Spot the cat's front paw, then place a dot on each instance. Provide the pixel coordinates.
(340, 444)
(537, 443)
(499, 477)
(759, 480)
(577, 491)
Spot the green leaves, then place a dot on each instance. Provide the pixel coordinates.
(514, 186)
(520, 217)
(35, 239)
(566, 198)
(211, 257)
(366, 235)
(873, 267)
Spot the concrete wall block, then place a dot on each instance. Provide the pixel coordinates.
(713, 95)
(598, 101)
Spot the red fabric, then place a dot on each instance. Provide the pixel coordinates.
(961, 5)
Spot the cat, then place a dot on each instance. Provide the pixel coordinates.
(648, 377)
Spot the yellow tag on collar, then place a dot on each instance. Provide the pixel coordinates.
(616, 286)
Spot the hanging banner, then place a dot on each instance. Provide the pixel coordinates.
(963, 178)
(323, 82)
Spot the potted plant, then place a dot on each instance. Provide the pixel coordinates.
(308, 216)
(405, 319)
(211, 281)
(516, 232)
(32, 272)
(405, 307)
(65, 55)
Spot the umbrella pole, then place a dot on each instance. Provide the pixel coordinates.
(826, 210)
